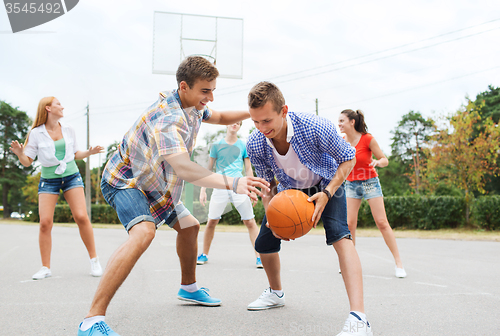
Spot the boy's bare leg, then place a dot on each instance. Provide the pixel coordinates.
(253, 231)
(120, 264)
(187, 247)
(351, 273)
(272, 266)
(208, 235)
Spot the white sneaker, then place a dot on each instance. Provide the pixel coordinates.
(355, 326)
(267, 300)
(95, 267)
(43, 273)
(400, 272)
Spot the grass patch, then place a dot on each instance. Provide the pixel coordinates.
(451, 234)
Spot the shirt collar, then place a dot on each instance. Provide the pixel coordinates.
(289, 131)
(198, 113)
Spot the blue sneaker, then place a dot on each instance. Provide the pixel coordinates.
(201, 296)
(258, 263)
(97, 329)
(202, 259)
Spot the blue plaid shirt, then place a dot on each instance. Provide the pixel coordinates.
(317, 143)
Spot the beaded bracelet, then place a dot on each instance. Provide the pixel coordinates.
(235, 184)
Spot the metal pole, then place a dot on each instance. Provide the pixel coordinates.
(88, 182)
(98, 191)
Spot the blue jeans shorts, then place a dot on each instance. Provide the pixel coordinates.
(55, 185)
(132, 207)
(366, 189)
(334, 219)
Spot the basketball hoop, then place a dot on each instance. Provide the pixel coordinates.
(217, 39)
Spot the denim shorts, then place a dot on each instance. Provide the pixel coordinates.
(132, 207)
(366, 189)
(334, 219)
(55, 185)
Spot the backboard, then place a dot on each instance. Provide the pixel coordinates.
(178, 35)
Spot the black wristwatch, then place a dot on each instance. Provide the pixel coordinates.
(327, 194)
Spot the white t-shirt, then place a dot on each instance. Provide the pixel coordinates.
(302, 177)
(41, 145)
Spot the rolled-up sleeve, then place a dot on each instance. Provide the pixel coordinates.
(31, 148)
(262, 169)
(75, 143)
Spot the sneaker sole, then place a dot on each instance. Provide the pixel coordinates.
(47, 276)
(201, 262)
(266, 307)
(260, 266)
(209, 304)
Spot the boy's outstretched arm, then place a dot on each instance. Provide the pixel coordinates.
(227, 117)
(202, 177)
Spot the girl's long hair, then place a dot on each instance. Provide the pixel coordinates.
(41, 114)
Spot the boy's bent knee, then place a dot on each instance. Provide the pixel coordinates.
(144, 231)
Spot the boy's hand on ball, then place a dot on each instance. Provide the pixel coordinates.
(321, 200)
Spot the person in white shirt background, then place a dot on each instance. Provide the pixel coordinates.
(54, 143)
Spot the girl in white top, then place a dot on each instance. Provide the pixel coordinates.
(55, 146)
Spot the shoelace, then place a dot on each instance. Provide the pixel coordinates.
(103, 328)
(265, 293)
(206, 290)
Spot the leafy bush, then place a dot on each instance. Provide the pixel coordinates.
(406, 212)
(103, 213)
(418, 212)
(486, 212)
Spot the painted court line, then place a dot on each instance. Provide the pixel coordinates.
(429, 284)
(377, 277)
(31, 280)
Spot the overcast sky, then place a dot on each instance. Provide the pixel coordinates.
(383, 57)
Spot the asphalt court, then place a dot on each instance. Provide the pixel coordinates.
(452, 287)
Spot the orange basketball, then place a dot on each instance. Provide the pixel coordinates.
(289, 214)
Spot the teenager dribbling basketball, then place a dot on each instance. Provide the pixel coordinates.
(303, 151)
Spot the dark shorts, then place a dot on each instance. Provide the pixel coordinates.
(334, 219)
(55, 185)
(132, 207)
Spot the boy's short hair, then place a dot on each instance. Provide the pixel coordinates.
(264, 92)
(193, 68)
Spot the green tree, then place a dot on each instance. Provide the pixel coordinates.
(489, 107)
(461, 159)
(412, 132)
(30, 189)
(15, 125)
(490, 100)
(393, 178)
